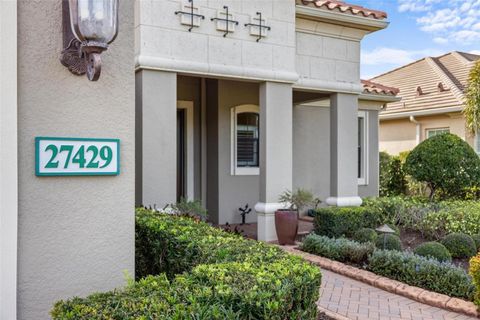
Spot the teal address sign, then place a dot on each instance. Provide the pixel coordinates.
(76, 156)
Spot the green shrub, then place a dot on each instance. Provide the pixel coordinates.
(392, 176)
(434, 250)
(365, 235)
(342, 250)
(460, 245)
(203, 273)
(388, 242)
(452, 216)
(430, 274)
(445, 162)
(336, 222)
(475, 273)
(476, 238)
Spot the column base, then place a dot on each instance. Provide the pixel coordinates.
(266, 220)
(344, 201)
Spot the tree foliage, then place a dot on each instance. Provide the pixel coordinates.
(445, 162)
(392, 176)
(472, 105)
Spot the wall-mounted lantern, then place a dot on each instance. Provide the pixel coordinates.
(89, 26)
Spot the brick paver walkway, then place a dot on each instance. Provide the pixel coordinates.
(359, 301)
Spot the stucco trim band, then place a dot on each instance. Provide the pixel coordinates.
(344, 201)
(214, 70)
(328, 86)
(8, 160)
(403, 114)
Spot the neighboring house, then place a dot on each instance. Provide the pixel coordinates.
(234, 113)
(432, 92)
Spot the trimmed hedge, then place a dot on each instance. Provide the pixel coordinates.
(337, 249)
(476, 238)
(390, 241)
(365, 235)
(460, 245)
(430, 274)
(434, 250)
(203, 273)
(336, 222)
(475, 273)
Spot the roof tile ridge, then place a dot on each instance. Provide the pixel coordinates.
(446, 76)
(461, 57)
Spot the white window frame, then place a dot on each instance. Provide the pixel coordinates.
(363, 181)
(240, 171)
(435, 129)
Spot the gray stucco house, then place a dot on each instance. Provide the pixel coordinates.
(236, 112)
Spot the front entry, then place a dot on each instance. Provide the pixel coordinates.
(185, 150)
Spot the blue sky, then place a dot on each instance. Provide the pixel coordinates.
(419, 28)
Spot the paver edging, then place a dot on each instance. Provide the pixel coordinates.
(418, 294)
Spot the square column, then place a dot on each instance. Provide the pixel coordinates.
(343, 150)
(156, 138)
(276, 162)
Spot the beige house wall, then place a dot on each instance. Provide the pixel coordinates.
(400, 135)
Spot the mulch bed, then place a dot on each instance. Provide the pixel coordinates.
(412, 239)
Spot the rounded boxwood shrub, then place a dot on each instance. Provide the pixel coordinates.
(476, 238)
(365, 235)
(434, 250)
(392, 242)
(460, 245)
(444, 162)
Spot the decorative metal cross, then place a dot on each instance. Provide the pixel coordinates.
(192, 15)
(259, 25)
(227, 20)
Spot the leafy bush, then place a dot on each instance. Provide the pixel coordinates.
(335, 222)
(475, 273)
(206, 274)
(444, 162)
(392, 176)
(476, 238)
(389, 242)
(337, 249)
(452, 216)
(460, 245)
(299, 199)
(186, 207)
(430, 274)
(434, 250)
(365, 235)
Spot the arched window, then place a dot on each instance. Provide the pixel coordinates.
(245, 152)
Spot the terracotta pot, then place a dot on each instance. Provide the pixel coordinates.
(286, 224)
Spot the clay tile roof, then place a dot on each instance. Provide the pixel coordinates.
(340, 6)
(376, 88)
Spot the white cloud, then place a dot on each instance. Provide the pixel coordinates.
(475, 52)
(448, 21)
(395, 57)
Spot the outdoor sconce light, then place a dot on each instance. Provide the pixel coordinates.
(89, 26)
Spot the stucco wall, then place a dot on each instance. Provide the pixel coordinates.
(163, 42)
(234, 191)
(311, 151)
(76, 234)
(371, 189)
(400, 134)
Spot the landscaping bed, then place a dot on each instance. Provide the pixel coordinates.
(431, 249)
(187, 269)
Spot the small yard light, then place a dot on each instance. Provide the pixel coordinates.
(385, 229)
(89, 26)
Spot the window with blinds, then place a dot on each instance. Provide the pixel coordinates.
(247, 131)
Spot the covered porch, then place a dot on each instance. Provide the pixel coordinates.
(231, 143)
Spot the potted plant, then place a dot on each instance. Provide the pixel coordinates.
(286, 220)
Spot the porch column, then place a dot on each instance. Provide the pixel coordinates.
(275, 154)
(156, 144)
(343, 150)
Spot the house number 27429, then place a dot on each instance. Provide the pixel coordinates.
(76, 156)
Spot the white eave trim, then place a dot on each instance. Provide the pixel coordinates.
(379, 97)
(213, 70)
(364, 23)
(404, 114)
